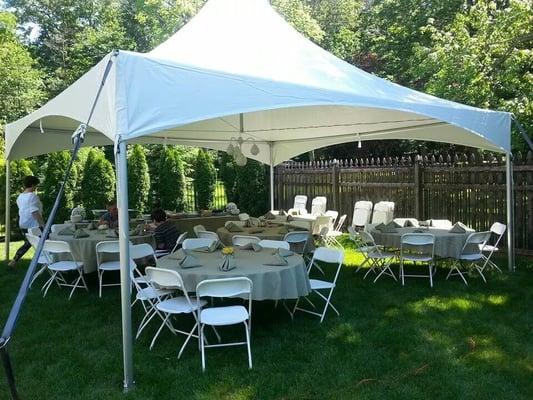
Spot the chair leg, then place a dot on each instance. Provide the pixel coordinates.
(430, 275)
(247, 330)
(36, 275)
(159, 330)
(402, 273)
(202, 347)
(191, 333)
(100, 279)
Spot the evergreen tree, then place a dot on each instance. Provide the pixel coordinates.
(204, 180)
(98, 182)
(138, 179)
(227, 174)
(54, 170)
(171, 187)
(251, 188)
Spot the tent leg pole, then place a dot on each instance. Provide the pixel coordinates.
(8, 208)
(271, 178)
(510, 212)
(125, 282)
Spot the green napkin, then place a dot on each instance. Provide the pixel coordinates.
(66, 231)
(177, 255)
(269, 215)
(233, 227)
(80, 233)
(389, 228)
(189, 261)
(256, 230)
(283, 230)
(92, 226)
(459, 227)
(277, 259)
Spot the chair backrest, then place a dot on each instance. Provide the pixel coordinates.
(362, 211)
(298, 241)
(475, 241)
(421, 243)
(498, 229)
(225, 287)
(179, 241)
(321, 222)
(36, 231)
(383, 212)
(390, 204)
(141, 250)
(243, 240)
(191, 244)
(244, 217)
(329, 256)
(165, 278)
(58, 227)
(110, 246)
(207, 235)
(367, 239)
(318, 205)
(56, 247)
(333, 214)
(300, 202)
(274, 244)
(34, 241)
(406, 222)
(441, 223)
(338, 228)
(198, 228)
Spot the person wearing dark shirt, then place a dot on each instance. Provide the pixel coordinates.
(165, 232)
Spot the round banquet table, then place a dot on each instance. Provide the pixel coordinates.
(447, 244)
(270, 282)
(84, 249)
(273, 232)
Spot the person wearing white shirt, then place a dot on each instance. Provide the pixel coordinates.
(30, 214)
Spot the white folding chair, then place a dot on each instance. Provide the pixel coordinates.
(243, 240)
(321, 222)
(417, 248)
(43, 259)
(198, 228)
(333, 234)
(58, 268)
(318, 205)
(441, 223)
(334, 215)
(274, 244)
(298, 241)
(403, 222)
(471, 253)
(225, 315)
(362, 211)
(207, 235)
(361, 246)
(55, 228)
(328, 256)
(36, 231)
(179, 242)
(497, 229)
(382, 213)
(300, 203)
(166, 278)
(107, 248)
(191, 244)
(379, 259)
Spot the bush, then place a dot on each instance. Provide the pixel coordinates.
(251, 188)
(227, 174)
(98, 182)
(138, 179)
(204, 180)
(171, 187)
(54, 169)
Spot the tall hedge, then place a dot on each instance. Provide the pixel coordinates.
(98, 182)
(251, 187)
(171, 180)
(138, 179)
(53, 172)
(227, 175)
(204, 180)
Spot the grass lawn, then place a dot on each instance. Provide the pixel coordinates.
(391, 342)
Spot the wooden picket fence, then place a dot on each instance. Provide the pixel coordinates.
(470, 189)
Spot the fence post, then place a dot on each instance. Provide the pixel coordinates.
(335, 184)
(418, 187)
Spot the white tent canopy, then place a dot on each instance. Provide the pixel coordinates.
(238, 69)
(240, 57)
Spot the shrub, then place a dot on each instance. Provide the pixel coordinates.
(138, 179)
(171, 186)
(251, 188)
(204, 180)
(227, 174)
(98, 182)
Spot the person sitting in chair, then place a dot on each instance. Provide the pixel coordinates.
(165, 232)
(110, 218)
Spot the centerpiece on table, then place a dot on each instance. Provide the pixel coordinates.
(228, 259)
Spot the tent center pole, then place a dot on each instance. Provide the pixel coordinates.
(125, 281)
(271, 176)
(8, 209)
(510, 211)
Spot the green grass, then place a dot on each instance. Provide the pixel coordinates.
(391, 342)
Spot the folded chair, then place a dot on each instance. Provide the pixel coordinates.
(487, 250)
(379, 259)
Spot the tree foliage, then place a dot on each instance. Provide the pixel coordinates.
(251, 188)
(204, 180)
(138, 179)
(228, 175)
(170, 192)
(98, 182)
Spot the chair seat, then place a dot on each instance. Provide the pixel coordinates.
(42, 259)
(470, 257)
(178, 305)
(417, 257)
(110, 266)
(65, 265)
(223, 315)
(318, 284)
(151, 293)
(141, 280)
(488, 248)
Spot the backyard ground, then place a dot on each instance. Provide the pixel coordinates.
(390, 342)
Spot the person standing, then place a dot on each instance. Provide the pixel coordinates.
(30, 214)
